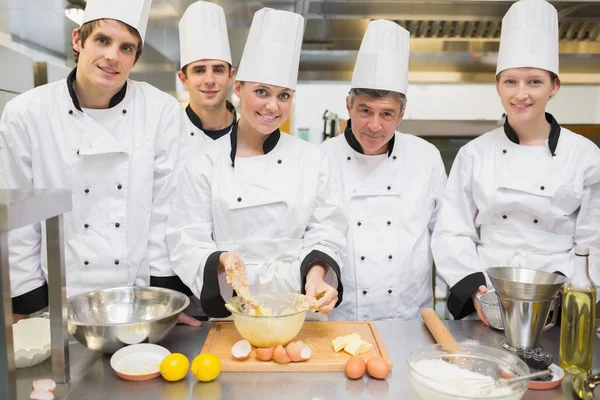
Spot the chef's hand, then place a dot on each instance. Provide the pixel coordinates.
(235, 273)
(483, 290)
(187, 320)
(320, 296)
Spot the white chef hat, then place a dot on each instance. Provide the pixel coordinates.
(132, 12)
(529, 37)
(272, 52)
(203, 34)
(382, 61)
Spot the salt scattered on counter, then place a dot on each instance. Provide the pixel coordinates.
(457, 381)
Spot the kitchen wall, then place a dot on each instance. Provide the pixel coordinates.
(574, 104)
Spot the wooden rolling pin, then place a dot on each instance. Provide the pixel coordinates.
(440, 333)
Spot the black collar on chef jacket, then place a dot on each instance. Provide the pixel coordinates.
(268, 145)
(116, 99)
(194, 119)
(552, 138)
(353, 142)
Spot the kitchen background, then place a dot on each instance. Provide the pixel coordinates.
(454, 44)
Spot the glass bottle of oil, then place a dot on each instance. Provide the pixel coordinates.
(577, 328)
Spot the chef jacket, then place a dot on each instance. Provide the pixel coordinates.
(518, 206)
(280, 211)
(119, 163)
(392, 202)
(202, 135)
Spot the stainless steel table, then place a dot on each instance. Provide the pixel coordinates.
(92, 377)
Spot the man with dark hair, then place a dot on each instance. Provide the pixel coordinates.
(114, 142)
(206, 71)
(392, 187)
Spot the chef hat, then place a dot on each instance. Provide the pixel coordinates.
(382, 61)
(529, 37)
(132, 12)
(272, 52)
(203, 34)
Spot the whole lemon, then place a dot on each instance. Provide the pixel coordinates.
(206, 367)
(174, 367)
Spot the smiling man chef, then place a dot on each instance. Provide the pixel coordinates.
(392, 187)
(206, 71)
(521, 195)
(113, 142)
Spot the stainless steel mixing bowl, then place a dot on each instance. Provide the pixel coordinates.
(109, 319)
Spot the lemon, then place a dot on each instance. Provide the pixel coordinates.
(174, 367)
(206, 367)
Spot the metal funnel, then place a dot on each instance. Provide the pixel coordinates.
(525, 284)
(525, 298)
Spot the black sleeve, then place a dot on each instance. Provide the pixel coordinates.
(170, 282)
(460, 303)
(319, 255)
(211, 300)
(32, 301)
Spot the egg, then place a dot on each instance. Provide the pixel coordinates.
(241, 350)
(280, 356)
(378, 368)
(355, 367)
(294, 351)
(265, 354)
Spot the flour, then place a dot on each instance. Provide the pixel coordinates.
(457, 381)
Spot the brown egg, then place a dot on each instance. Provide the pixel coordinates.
(280, 356)
(378, 368)
(265, 354)
(355, 367)
(294, 351)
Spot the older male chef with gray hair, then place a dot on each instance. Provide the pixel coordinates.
(393, 184)
(113, 142)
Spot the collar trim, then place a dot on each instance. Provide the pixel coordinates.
(115, 100)
(355, 145)
(268, 145)
(552, 138)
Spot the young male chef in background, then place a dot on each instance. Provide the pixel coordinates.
(392, 187)
(523, 194)
(206, 71)
(113, 142)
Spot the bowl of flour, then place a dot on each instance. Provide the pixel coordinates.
(468, 373)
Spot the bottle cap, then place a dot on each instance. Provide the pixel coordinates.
(581, 250)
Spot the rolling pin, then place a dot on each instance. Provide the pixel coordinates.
(440, 333)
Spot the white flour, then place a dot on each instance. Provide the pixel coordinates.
(457, 381)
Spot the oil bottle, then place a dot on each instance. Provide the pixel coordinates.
(577, 328)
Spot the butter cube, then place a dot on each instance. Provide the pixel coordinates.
(341, 341)
(365, 347)
(353, 345)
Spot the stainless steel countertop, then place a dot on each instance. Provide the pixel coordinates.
(92, 377)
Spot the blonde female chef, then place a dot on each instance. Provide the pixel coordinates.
(523, 194)
(264, 194)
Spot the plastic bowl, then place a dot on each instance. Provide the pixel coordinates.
(31, 341)
(491, 308)
(438, 374)
(264, 330)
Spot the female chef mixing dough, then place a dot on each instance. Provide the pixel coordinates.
(523, 194)
(266, 195)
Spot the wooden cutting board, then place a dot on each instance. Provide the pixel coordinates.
(317, 335)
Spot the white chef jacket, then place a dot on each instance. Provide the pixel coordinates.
(118, 162)
(392, 202)
(519, 206)
(279, 211)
